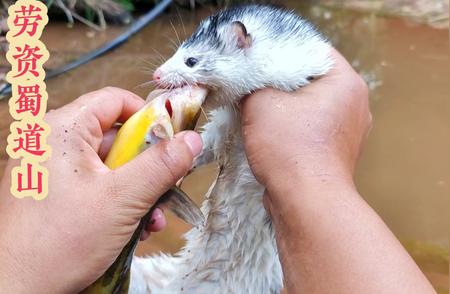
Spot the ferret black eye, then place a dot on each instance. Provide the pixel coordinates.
(191, 61)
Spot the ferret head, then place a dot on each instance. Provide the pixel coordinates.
(215, 56)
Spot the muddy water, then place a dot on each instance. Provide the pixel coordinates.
(404, 172)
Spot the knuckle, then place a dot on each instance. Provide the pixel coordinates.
(119, 94)
(122, 94)
(100, 94)
(88, 96)
(91, 130)
(110, 89)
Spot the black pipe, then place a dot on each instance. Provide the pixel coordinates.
(134, 28)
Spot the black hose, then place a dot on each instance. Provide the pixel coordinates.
(134, 28)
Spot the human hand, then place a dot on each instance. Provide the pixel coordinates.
(303, 147)
(317, 131)
(66, 241)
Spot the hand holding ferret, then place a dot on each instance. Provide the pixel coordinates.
(316, 131)
(303, 147)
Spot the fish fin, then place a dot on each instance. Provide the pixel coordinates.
(182, 206)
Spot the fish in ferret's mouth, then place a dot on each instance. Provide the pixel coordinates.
(166, 112)
(182, 104)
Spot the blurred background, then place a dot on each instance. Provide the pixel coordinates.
(400, 47)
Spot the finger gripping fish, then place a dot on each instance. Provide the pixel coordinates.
(166, 113)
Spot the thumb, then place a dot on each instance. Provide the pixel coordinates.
(140, 182)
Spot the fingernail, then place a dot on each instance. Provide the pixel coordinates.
(194, 142)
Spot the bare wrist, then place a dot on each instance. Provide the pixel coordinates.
(306, 175)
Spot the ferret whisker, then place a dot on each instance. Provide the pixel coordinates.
(146, 61)
(181, 20)
(186, 82)
(141, 68)
(172, 42)
(162, 58)
(152, 64)
(146, 71)
(176, 33)
(148, 66)
(173, 46)
(144, 84)
(158, 59)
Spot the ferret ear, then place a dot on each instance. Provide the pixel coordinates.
(243, 39)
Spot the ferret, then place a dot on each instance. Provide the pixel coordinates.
(233, 53)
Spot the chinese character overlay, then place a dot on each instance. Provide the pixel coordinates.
(29, 179)
(26, 60)
(27, 20)
(25, 180)
(29, 99)
(27, 105)
(29, 139)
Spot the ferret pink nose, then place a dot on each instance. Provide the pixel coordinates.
(157, 75)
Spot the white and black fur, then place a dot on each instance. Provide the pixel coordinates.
(237, 51)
